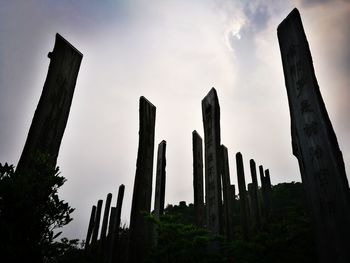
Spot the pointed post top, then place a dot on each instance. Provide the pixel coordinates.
(195, 132)
(61, 38)
(144, 100)
(223, 147)
(293, 17)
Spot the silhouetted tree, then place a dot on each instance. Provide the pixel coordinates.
(30, 212)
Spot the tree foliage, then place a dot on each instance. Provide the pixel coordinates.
(30, 212)
(286, 235)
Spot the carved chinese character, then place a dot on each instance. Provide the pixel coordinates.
(305, 107)
(210, 157)
(297, 68)
(316, 152)
(322, 176)
(300, 85)
(292, 51)
(311, 129)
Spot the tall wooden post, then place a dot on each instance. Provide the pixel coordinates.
(90, 227)
(315, 145)
(105, 217)
(139, 240)
(97, 224)
(227, 194)
(254, 197)
(265, 202)
(114, 229)
(160, 180)
(211, 122)
(197, 149)
(103, 235)
(51, 115)
(242, 195)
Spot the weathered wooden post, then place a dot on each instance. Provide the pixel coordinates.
(254, 197)
(90, 227)
(108, 257)
(105, 217)
(232, 190)
(227, 194)
(103, 235)
(242, 195)
(139, 240)
(315, 145)
(197, 150)
(264, 201)
(211, 123)
(51, 115)
(97, 224)
(119, 209)
(115, 226)
(160, 180)
(268, 187)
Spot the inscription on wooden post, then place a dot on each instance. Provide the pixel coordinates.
(242, 195)
(227, 194)
(315, 145)
(160, 180)
(139, 240)
(197, 149)
(211, 122)
(51, 115)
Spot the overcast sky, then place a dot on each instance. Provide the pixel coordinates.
(172, 52)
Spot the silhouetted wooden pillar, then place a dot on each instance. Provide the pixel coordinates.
(211, 122)
(97, 223)
(51, 115)
(254, 197)
(90, 227)
(232, 190)
(264, 201)
(114, 231)
(119, 208)
(103, 235)
(227, 194)
(242, 195)
(105, 217)
(315, 145)
(160, 180)
(140, 233)
(197, 149)
(268, 187)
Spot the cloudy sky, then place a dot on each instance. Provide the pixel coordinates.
(172, 52)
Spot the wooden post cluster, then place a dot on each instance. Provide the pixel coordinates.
(315, 145)
(106, 248)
